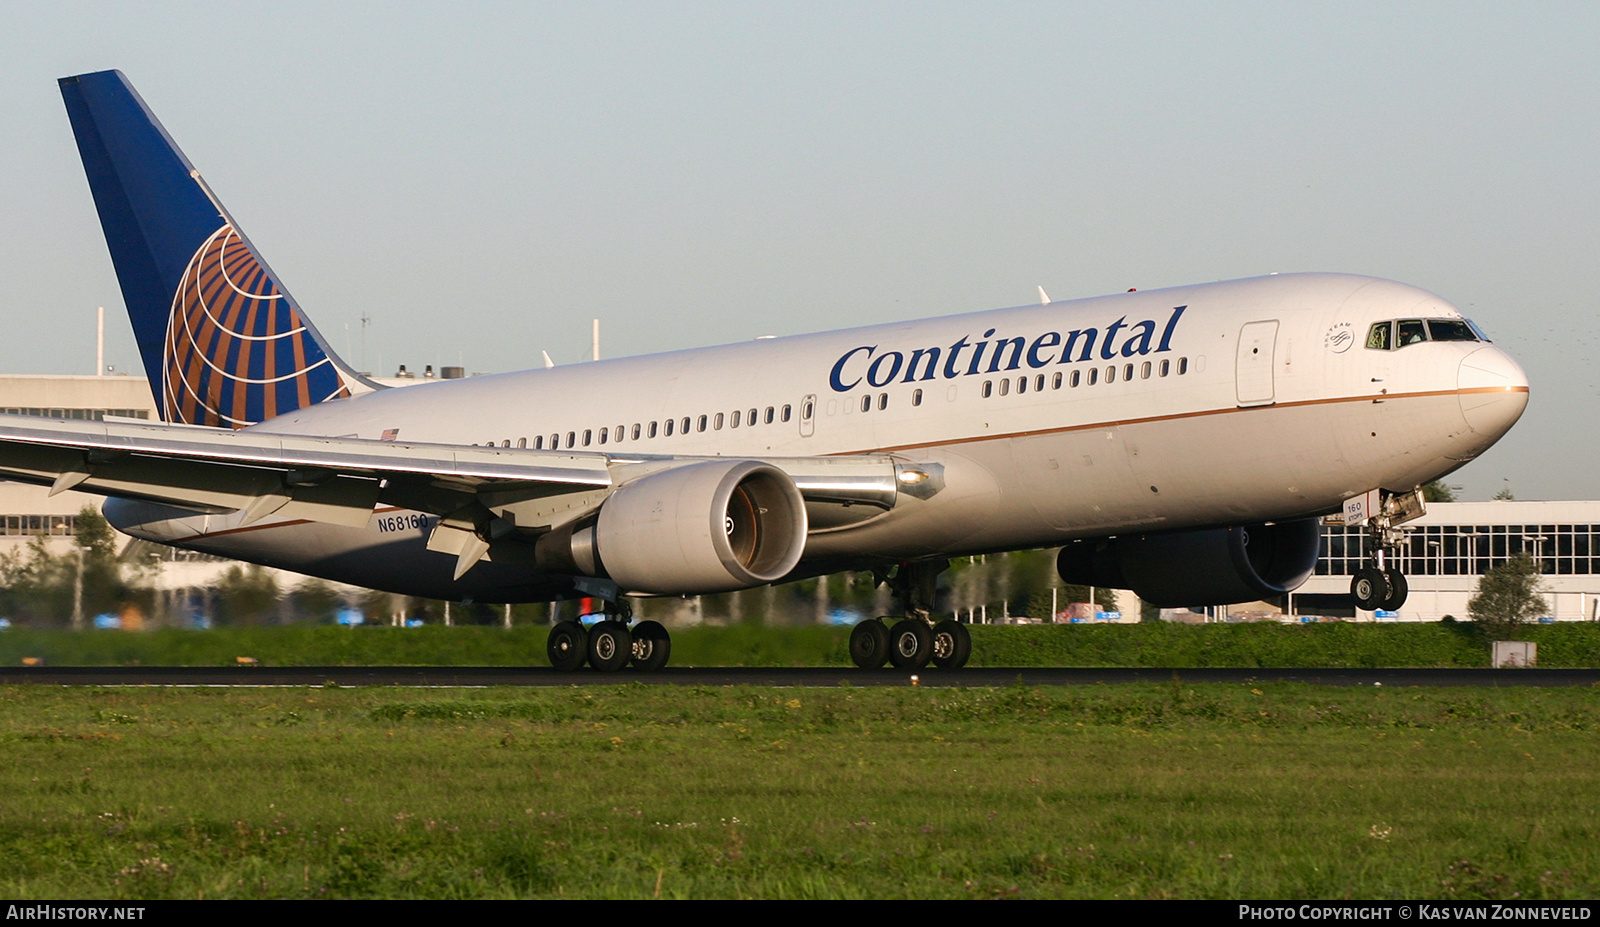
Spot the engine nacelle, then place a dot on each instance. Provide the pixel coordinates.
(707, 527)
(1216, 566)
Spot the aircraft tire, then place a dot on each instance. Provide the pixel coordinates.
(952, 645)
(610, 646)
(1370, 588)
(869, 644)
(567, 646)
(911, 644)
(1398, 590)
(652, 646)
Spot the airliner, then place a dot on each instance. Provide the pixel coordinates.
(1182, 443)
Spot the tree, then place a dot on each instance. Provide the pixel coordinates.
(1508, 596)
(1437, 491)
(248, 594)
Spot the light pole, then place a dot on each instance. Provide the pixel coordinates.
(77, 592)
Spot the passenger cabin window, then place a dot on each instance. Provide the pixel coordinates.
(916, 397)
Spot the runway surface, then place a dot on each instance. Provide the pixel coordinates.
(422, 676)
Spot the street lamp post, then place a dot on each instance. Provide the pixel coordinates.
(77, 592)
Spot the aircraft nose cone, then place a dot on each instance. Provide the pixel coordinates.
(1492, 390)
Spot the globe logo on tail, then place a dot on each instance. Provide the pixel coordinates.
(237, 350)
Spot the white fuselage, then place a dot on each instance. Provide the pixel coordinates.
(1217, 404)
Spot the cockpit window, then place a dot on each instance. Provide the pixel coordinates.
(1409, 331)
(1378, 336)
(1450, 330)
(1416, 331)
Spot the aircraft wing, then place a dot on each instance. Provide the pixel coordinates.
(339, 480)
(335, 480)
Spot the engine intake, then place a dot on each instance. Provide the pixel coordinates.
(701, 528)
(1215, 566)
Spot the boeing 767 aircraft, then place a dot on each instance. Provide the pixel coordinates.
(1181, 443)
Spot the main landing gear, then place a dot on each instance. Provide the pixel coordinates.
(916, 639)
(1378, 586)
(611, 644)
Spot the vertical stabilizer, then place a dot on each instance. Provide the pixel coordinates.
(222, 343)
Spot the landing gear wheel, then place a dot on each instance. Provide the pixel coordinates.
(567, 646)
(1398, 589)
(952, 645)
(610, 646)
(651, 646)
(1370, 588)
(869, 644)
(911, 644)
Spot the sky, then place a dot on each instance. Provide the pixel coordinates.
(479, 180)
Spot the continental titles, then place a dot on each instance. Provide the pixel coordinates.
(965, 357)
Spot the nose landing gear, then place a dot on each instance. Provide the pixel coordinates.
(1379, 585)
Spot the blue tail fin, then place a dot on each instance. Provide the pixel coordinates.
(222, 343)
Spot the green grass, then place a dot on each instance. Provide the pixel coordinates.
(1173, 790)
(1156, 644)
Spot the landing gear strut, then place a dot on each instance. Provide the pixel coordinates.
(611, 644)
(1378, 585)
(915, 640)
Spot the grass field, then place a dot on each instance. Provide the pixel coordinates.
(1573, 644)
(1175, 790)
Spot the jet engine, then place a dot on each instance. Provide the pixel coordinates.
(1214, 566)
(706, 527)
